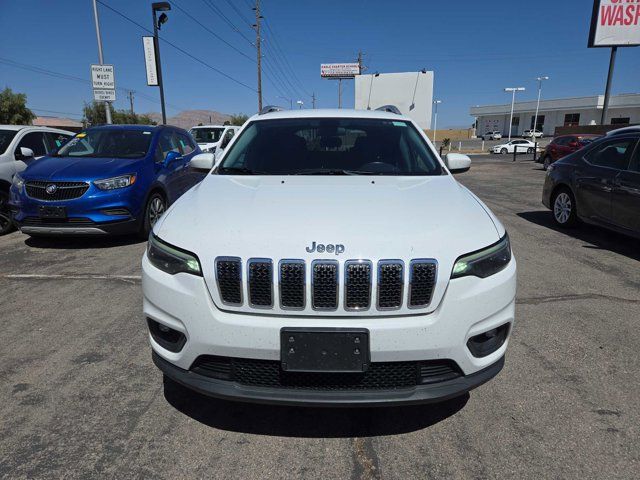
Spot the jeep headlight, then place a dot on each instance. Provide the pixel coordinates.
(17, 181)
(171, 259)
(485, 262)
(115, 182)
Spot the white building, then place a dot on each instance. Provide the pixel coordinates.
(411, 92)
(623, 110)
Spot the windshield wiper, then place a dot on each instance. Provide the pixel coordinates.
(239, 171)
(334, 171)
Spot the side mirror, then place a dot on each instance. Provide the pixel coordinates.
(171, 157)
(203, 161)
(457, 163)
(24, 154)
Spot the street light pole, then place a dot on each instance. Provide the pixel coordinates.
(100, 58)
(513, 91)
(535, 118)
(159, 7)
(435, 121)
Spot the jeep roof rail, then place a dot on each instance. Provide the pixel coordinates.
(270, 108)
(390, 109)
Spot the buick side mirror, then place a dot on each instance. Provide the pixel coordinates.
(457, 162)
(203, 161)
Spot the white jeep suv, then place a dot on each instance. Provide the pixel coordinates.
(329, 259)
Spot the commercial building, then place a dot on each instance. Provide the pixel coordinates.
(563, 112)
(411, 92)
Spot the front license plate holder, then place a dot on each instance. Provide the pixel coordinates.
(333, 350)
(48, 211)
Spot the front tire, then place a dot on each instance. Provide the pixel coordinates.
(530, 150)
(564, 208)
(546, 162)
(503, 151)
(156, 206)
(6, 222)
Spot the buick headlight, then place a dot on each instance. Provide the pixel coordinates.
(115, 182)
(17, 181)
(485, 262)
(171, 259)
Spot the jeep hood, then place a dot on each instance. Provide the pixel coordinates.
(374, 217)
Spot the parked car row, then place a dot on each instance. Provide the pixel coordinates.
(518, 146)
(598, 184)
(562, 146)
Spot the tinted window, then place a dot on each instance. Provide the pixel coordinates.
(5, 139)
(613, 154)
(206, 134)
(108, 142)
(56, 140)
(227, 138)
(186, 145)
(634, 166)
(34, 141)
(561, 141)
(329, 145)
(168, 142)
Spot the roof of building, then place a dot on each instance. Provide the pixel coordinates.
(574, 103)
(55, 122)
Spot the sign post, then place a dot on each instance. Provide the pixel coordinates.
(339, 71)
(614, 24)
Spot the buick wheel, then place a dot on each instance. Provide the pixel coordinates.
(564, 208)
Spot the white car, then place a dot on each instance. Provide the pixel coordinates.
(19, 145)
(523, 146)
(213, 138)
(532, 133)
(331, 258)
(496, 135)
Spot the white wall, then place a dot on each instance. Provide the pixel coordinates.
(398, 89)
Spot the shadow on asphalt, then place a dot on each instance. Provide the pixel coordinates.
(308, 422)
(600, 238)
(75, 243)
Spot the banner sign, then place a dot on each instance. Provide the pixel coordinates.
(150, 61)
(615, 23)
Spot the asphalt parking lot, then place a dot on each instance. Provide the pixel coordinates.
(80, 397)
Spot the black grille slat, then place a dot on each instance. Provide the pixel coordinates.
(379, 376)
(357, 285)
(229, 279)
(260, 278)
(65, 190)
(292, 284)
(390, 284)
(325, 285)
(422, 282)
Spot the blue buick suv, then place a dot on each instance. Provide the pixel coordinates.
(114, 179)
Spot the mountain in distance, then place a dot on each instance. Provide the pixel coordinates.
(190, 118)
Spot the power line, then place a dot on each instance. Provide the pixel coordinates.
(181, 50)
(215, 9)
(239, 13)
(211, 31)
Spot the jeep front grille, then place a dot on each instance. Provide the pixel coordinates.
(291, 288)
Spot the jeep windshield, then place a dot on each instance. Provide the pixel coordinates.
(107, 142)
(206, 134)
(330, 146)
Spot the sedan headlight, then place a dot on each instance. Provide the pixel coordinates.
(485, 262)
(171, 259)
(115, 182)
(17, 181)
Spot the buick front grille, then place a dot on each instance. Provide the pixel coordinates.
(366, 285)
(55, 191)
(229, 280)
(324, 284)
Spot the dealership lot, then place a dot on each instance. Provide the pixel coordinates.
(80, 396)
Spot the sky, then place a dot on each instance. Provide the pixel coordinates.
(475, 49)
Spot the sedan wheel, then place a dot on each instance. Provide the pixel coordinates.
(564, 209)
(503, 151)
(530, 150)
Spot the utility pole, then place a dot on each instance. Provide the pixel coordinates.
(259, 50)
(313, 100)
(100, 58)
(360, 63)
(131, 101)
(339, 93)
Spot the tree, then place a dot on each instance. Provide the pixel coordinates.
(13, 108)
(95, 114)
(238, 119)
